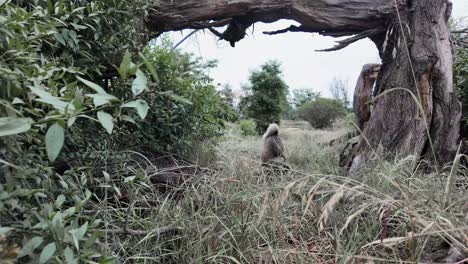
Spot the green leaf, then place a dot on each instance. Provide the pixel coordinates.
(5, 230)
(60, 39)
(55, 137)
(140, 105)
(79, 99)
(106, 121)
(71, 121)
(92, 85)
(47, 253)
(102, 99)
(150, 67)
(73, 36)
(127, 119)
(17, 101)
(47, 98)
(12, 125)
(177, 98)
(106, 176)
(59, 201)
(30, 246)
(69, 212)
(78, 234)
(82, 231)
(127, 67)
(129, 179)
(139, 84)
(69, 256)
(107, 260)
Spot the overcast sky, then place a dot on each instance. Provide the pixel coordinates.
(302, 66)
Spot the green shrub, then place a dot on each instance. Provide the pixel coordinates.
(267, 99)
(248, 127)
(461, 81)
(196, 112)
(75, 88)
(322, 112)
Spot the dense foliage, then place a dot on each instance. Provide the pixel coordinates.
(461, 78)
(79, 91)
(302, 96)
(267, 98)
(322, 112)
(197, 114)
(248, 127)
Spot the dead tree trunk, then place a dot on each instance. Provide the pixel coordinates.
(363, 93)
(418, 113)
(416, 103)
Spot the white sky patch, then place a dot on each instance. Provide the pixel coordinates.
(302, 65)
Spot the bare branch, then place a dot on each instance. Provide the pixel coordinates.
(459, 31)
(216, 33)
(346, 18)
(292, 28)
(346, 42)
(185, 38)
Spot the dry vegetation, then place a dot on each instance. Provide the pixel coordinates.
(234, 212)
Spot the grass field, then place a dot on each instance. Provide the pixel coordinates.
(233, 212)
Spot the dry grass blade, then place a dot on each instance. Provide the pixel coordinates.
(452, 177)
(389, 242)
(353, 216)
(330, 206)
(235, 213)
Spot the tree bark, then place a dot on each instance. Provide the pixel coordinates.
(334, 18)
(363, 93)
(416, 99)
(417, 67)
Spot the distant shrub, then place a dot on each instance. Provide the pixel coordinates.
(267, 99)
(248, 127)
(322, 112)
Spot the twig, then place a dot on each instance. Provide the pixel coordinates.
(292, 28)
(346, 42)
(185, 38)
(460, 31)
(160, 231)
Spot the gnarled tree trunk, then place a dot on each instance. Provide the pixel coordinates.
(363, 93)
(416, 100)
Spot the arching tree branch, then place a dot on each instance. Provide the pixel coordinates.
(342, 18)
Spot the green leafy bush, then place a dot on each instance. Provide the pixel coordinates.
(195, 113)
(267, 98)
(322, 112)
(76, 97)
(248, 127)
(461, 80)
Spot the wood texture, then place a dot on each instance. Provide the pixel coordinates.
(417, 67)
(363, 93)
(327, 17)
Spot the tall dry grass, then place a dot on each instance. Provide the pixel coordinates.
(313, 213)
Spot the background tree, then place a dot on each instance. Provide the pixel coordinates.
(303, 96)
(227, 94)
(296, 99)
(322, 112)
(339, 90)
(268, 96)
